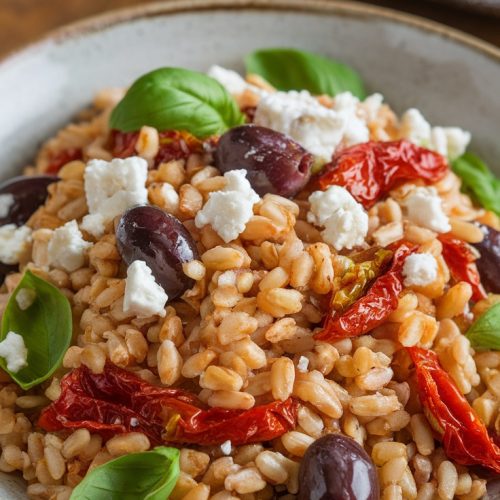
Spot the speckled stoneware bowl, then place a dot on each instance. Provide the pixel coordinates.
(453, 78)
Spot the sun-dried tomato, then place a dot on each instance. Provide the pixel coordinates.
(371, 310)
(117, 401)
(370, 170)
(465, 438)
(174, 145)
(460, 259)
(60, 159)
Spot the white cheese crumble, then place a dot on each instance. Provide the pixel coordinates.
(170, 197)
(303, 364)
(317, 128)
(226, 447)
(229, 210)
(344, 219)
(424, 208)
(67, 247)
(370, 107)
(420, 269)
(13, 350)
(25, 298)
(14, 243)
(143, 296)
(6, 202)
(112, 187)
(447, 141)
(232, 81)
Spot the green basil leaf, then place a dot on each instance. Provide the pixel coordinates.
(485, 331)
(292, 69)
(46, 328)
(478, 181)
(177, 99)
(150, 475)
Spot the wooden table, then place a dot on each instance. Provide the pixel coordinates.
(22, 21)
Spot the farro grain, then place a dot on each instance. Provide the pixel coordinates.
(447, 480)
(132, 442)
(222, 258)
(279, 301)
(236, 326)
(392, 492)
(282, 378)
(199, 492)
(55, 462)
(392, 471)
(75, 443)
(259, 384)
(248, 480)
(296, 442)
(422, 434)
(231, 400)
(169, 363)
(218, 378)
(197, 363)
(375, 405)
(454, 301)
(193, 462)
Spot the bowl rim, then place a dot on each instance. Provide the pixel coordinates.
(123, 15)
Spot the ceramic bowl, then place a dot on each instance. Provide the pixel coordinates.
(453, 78)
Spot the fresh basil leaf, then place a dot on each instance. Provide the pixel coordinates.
(292, 69)
(479, 181)
(485, 331)
(177, 99)
(150, 475)
(46, 328)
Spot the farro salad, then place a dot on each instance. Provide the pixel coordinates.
(217, 287)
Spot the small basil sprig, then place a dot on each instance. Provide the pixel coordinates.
(177, 99)
(46, 328)
(485, 331)
(150, 475)
(479, 181)
(292, 69)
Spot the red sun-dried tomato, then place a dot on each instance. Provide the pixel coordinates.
(60, 159)
(370, 170)
(117, 401)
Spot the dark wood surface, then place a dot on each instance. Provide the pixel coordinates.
(22, 21)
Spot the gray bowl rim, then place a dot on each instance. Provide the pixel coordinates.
(345, 8)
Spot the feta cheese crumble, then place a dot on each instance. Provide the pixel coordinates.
(6, 203)
(14, 243)
(226, 447)
(25, 298)
(143, 296)
(420, 269)
(229, 210)
(232, 81)
(344, 219)
(317, 128)
(447, 141)
(424, 207)
(67, 247)
(303, 364)
(112, 187)
(13, 350)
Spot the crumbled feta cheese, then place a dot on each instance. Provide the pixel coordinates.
(371, 106)
(134, 422)
(6, 202)
(13, 350)
(112, 187)
(420, 269)
(67, 247)
(415, 127)
(344, 219)
(303, 364)
(229, 210)
(233, 82)
(14, 243)
(424, 207)
(143, 296)
(25, 298)
(316, 127)
(447, 141)
(355, 129)
(226, 447)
